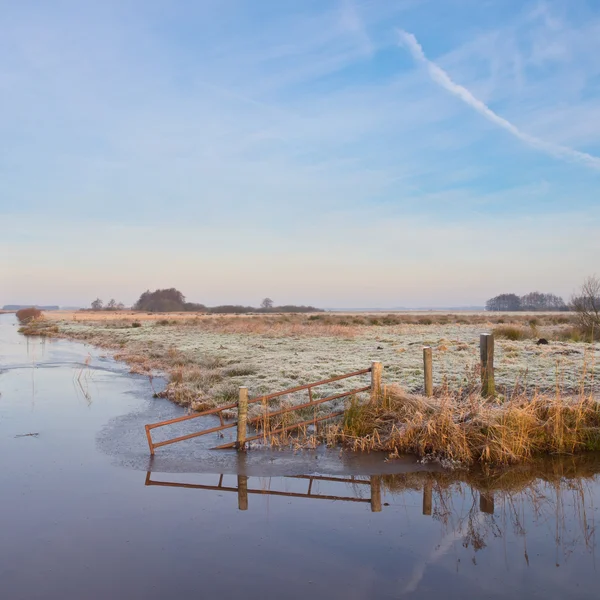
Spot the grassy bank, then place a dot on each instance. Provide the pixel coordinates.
(467, 429)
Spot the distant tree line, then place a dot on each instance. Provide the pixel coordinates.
(534, 301)
(172, 300)
(112, 304)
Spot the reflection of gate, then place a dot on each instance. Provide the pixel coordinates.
(242, 408)
(242, 489)
(376, 483)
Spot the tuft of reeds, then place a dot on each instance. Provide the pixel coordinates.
(472, 430)
(512, 332)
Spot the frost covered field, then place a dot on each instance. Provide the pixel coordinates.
(207, 359)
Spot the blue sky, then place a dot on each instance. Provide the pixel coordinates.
(338, 153)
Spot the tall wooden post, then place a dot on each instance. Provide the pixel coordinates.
(427, 498)
(242, 418)
(375, 493)
(242, 492)
(376, 371)
(428, 370)
(486, 349)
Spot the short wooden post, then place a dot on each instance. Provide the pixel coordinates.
(486, 503)
(427, 498)
(375, 493)
(242, 418)
(428, 370)
(242, 492)
(486, 349)
(376, 371)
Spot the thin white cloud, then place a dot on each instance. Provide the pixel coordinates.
(352, 23)
(409, 41)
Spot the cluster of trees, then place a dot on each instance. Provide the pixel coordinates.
(167, 300)
(172, 300)
(529, 302)
(112, 304)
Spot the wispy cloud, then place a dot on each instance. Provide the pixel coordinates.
(352, 23)
(439, 76)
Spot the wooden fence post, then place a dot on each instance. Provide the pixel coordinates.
(486, 349)
(375, 493)
(242, 492)
(242, 418)
(376, 371)
(428, 370)
(427, 498)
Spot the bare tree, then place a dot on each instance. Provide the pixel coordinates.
(267, 304)
(97, 304)
(112, 304)
(586, 306)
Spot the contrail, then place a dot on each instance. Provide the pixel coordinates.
(442, 78)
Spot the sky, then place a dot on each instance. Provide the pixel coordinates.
(339, 153)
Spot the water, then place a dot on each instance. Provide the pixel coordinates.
(86, 514)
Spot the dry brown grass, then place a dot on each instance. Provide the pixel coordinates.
(38, 326)
(342, 322)
(471, 430)
(512, 332)
(25, 315)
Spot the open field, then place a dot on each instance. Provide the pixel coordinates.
(404, 316)
(208, 357)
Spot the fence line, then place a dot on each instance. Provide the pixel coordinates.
(375, 388)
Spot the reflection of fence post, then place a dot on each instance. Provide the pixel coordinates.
(242, 492)
(149, 438)
(242, 418)
(427, 498)
(376, 371)
(486, 350)
(428, 370)
(375, 493)
(486, 503)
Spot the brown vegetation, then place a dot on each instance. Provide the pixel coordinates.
(25, 315)
(468, 429)
(344, 320)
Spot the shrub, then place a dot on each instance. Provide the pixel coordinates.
(509, 332)
(136, 324)
(28, 314)
(239, 370)
(576, 334)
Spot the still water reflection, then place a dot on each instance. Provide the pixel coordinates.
(84, 515)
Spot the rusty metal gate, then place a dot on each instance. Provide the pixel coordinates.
(374, 388)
